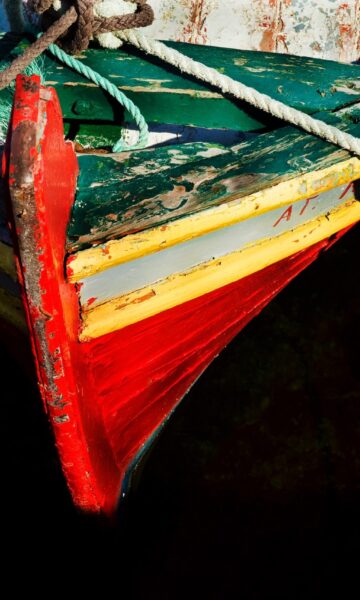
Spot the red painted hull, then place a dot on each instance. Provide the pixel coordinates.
(141, 373)
(106, 398)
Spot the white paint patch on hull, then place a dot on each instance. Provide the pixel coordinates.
(319, 28)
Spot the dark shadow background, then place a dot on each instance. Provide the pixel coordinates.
(253, 489)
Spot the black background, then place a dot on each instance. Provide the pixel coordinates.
(253, 489)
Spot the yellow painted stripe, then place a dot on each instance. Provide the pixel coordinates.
(179, 288)
(11, 310)
(93, 260)
(7, 262)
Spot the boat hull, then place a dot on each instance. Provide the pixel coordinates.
(108, 397)
(129, 382)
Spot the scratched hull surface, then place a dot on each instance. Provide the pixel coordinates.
(319, 28)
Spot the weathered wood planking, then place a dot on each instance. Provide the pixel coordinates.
(126, 193)
(151, 268)
(179, 288)
(164, 95)
(140, 376)
(95, 259)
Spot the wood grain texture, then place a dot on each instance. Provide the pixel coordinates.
(114, 313)
(106, 398)
(131, 192)
(158, 359)
(90, 261)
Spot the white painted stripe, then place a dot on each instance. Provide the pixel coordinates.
(136, 274)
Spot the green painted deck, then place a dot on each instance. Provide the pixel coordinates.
(164, 95)
(129, 192)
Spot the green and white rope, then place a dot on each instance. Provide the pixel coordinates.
(243, 92)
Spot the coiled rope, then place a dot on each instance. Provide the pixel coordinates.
(78, 24)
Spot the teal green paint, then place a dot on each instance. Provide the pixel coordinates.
(152, 187)
(139, 190)
(92, 135)
(308, 84)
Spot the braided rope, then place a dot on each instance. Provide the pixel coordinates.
(111, 89)
(228, 86)
(89, 23)
(38, 47)
(45, 41)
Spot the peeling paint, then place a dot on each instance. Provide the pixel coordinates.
(320, 28)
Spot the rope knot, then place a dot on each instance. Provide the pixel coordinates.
(84, 23)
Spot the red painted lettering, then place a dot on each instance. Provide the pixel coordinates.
(307, 202)
(287, 214)
(346, 190)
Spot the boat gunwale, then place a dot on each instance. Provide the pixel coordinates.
(89, 261)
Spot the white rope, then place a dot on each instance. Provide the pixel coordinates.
(229, 86)
(112, 8)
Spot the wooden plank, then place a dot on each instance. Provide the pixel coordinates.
(164, 95)
(121, 194)
(141, 374)
(183, 287)
(90, 261)
(146, 270)
(321, 28)
(42, 185)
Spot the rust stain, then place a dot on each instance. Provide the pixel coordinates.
(61, 419)
(30, 85)
(273, 26)
(173, 199)
(112, 217)
(139, 300)
(195, 29)
(23, 144)
(348, 22)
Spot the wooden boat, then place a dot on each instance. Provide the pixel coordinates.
(133, 270)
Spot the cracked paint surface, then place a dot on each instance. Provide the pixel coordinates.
(319, 28)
